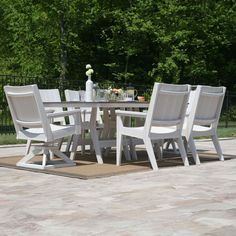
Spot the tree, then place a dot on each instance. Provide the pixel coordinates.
(131, 41)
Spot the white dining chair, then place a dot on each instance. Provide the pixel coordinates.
(74, 95)
(188, 121)
(32, 122)
(50, 95)
(105, 125)
(202, 117)
(164, 119)
(82, 95)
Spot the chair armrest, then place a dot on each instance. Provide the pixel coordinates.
(131, 113)
(50, 110)
(76, 113)
(63, 113)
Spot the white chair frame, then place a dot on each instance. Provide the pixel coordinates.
(163, 120)
(202, 118)
(106, 125)
(74, 95)
(32, 122)
(50, 95)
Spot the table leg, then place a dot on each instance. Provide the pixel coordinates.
(94, 135)
(105, 130)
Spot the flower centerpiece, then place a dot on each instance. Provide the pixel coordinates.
(89, 84)
(89, 71)
(115, 93)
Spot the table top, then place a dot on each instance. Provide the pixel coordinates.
(101, 104)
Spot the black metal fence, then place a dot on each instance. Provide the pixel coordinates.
(228, 115)
(6, 125)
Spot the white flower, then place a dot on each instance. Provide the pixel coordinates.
(116, 91)
(89, 72)
(88, 66)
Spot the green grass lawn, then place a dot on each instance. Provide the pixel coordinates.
(226, 132)
(11, 138)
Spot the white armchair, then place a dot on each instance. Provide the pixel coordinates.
(163, 120)
(50, 95)
(32, 122)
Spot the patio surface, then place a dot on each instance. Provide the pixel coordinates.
(195, 200)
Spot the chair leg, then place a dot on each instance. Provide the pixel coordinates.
(125, 148)
(82, 139)
(65, 158)
(28, 145)
(217, 147)
(48, 154)
(174, 146)
(107, 151)
(118, 148)
(51, 155)
(74, 146)
(60, 143)
(69, 144)
(91, 147)
(185, 144)
(45, 158)
(158, 149)
(151, 154)
(46, 149)
(182, 151)
(168, 142)
(193, 150)
(132, 150)
(30, 155)
(172, 143)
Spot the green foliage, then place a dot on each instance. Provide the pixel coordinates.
(126, 41)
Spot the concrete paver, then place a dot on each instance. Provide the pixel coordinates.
(195, 200)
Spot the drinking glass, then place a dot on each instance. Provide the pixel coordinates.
(131, 93)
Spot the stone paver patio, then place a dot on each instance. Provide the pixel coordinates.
(195, 200)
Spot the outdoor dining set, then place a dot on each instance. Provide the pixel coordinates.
(175, 114)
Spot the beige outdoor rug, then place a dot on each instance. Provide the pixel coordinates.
(87, 167)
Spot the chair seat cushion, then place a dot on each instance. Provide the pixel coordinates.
(163, 132)
(200, 130)
(155, 131)
(58, 131)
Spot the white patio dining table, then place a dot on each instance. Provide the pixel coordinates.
(98, 144)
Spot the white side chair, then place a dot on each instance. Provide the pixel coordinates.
(202, 118)
(82, 95)
(188, 121)
(74, 95)
(86, 111)
(105, 125)
(52, 95)
(32, 122)
(164, 120)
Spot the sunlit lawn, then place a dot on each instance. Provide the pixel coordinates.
(226, 132)
(9, 139)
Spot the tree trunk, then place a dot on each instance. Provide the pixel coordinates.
(126, 67)
(63, 53)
